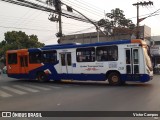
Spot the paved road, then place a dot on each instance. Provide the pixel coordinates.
(20, 95)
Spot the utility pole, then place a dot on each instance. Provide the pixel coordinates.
(57, 4)
(139, 20)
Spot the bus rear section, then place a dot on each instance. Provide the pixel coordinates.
(17, 62)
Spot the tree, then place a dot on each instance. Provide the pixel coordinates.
(18, 40)
(116, 19)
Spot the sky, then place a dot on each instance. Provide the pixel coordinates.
(31, 21)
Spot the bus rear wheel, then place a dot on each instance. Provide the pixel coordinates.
(42, 77)
(114, 79)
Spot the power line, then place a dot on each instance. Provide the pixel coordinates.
(41, 1)
(79, 25)
(39, 7)
(26, 28)
(86, 8)
(18, 19)
(90, 6)
(11, 19)
(39, 23)
(47, 9)
(82, 30)
(25, 22)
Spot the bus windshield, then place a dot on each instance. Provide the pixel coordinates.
(147, 59)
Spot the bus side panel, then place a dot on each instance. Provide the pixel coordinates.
(18, 76)
(13, 71)
(33, 67)
(136, 78)
(84, 77)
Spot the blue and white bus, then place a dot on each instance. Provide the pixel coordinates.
(116, 61)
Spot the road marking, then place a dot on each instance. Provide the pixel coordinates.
(55, 87)
(14, 90)
(4, 94)
(26, 88)
(38, 87)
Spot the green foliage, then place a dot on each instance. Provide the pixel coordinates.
(116, 19)
(18, 40)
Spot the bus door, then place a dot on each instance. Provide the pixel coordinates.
(132, 63)
(23, 64)
(66, 62)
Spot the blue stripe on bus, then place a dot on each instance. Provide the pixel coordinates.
(93, 77)
(34, 50)
(136, 77)
(50, 66)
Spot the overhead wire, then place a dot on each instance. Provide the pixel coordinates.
(39, 7)
(43, 8)
(41, 1)
(24, 21)
(90, 6)
(17, 21)
(82, 30)
(75, 24)
(85, 8)
(26, 28)
(38, 23)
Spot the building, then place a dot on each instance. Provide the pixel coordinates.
(155, 40)
(155, 52)
(145, 33)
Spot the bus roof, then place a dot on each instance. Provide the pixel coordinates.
(17, 51)
(66, 46)
(78, 45)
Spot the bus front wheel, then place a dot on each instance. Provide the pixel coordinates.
(114, 79)
(41, 76)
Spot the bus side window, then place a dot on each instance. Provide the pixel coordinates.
(85, 54)
(12, 58)
(63, 60)
(49, 56)
(35, 57)
(135, 56)
(38, 58)
(69, 59)
(128, 56)
(107, 53)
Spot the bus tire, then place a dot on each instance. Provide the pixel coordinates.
(114, 79)
(42, 77)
